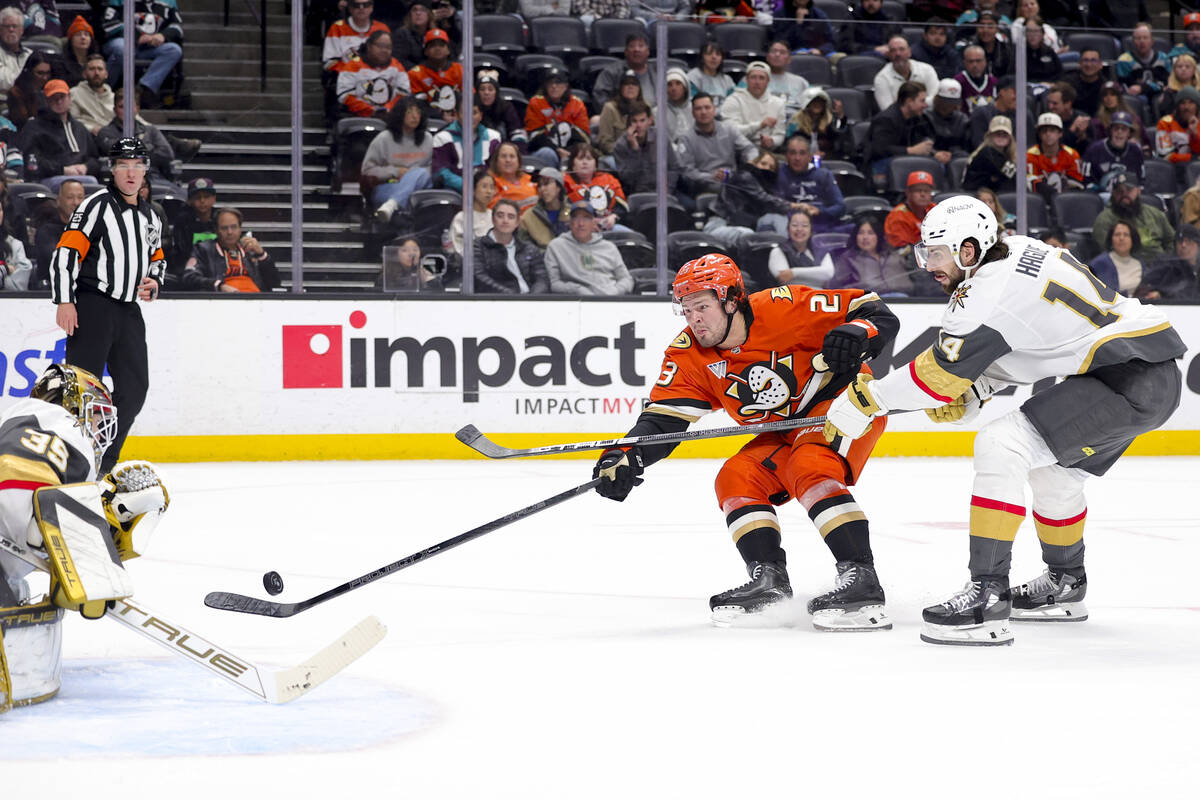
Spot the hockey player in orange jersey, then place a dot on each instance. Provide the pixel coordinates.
(784, 352)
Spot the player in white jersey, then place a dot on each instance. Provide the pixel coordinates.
(1021, 311)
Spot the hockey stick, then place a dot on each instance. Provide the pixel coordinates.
(228, 601)
(271, 685)
(472, 437)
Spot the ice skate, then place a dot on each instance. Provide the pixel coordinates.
(854, 604)
(976, 615)
(1053, 596)
(768, 587)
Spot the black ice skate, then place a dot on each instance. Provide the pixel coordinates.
(768, 586)
(854, 604)
(976, 615)
(1053, 596)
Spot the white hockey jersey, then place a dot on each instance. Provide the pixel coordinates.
(1036, 314)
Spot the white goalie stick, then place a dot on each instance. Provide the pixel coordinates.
(265, 683)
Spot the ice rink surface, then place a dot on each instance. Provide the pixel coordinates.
(570, 654)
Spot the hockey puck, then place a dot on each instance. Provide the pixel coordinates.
(273, 583)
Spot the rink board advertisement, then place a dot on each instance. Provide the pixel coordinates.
(266, 379)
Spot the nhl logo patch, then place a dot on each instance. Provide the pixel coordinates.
(718, 368)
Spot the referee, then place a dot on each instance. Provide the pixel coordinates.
(110, 255)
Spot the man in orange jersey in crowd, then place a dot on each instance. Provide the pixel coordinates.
(903, 224)
(1053, 166)
(436, 79)
(781, 353)
(345, 36)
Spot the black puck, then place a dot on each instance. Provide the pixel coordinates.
(273, 583)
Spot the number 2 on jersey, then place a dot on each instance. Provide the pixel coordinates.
(1057, 293)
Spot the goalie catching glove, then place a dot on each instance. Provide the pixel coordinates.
(852, 411)
(132, 494)
(618, 471)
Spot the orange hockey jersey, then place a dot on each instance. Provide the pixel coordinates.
(540, 115)
(1059, 172)
(342, 41)
(601, 188)
(427, 84)
(1174, 142)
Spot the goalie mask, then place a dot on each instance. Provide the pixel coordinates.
(950, 223)
(83, 395)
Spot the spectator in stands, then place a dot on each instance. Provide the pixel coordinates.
(11, 158)
(1111, 103)
(27, 95)
(81, 46)
(41, 18)
(1053, 166)
(870, 264)
(1183, 74)
(614, 117)
(994, 163)
(936, 50)
(903, 224)
(161, 154)
(1005, 105)
(636, 154)
(512, 181)
(900, 129)
(56, 145)
(1076, 125)
(372, 84)
(868, 30)
(481, 220)
(967, 19)
(806, 187)
(446, 17)
(1056, 237)
(808, 31)
(755, 112)
(555, 119)
(600, 189)
(949, 123)
(447, 149)
(231, 262)
(92, 98)
(1177, 137)
(12, 54)
(159, 39)
(1042, 64)
(902, 69)
(1189, 205)
(408, 39)
(1105, 159)
(1152, 226)
(582, 262)
(50, 228)
(1142, 69)
(679, 103)
(531, 9)
(998, 52)
(345, 37)
(925, 10)
(710, 152)
(398, 160)
(18, 219)
(15, 267)
(145, 194)
(749, 200)
(1005, 219)
(637, 58)
(1087, 81)
(194, 224)
(784, 83)
(437, 78)
(1118, 267)
(1030, 9)
(978, 85)
(709, 76)
(504, 262)
(1175, 277)
(793, 261)
(547, 218)
(498, 113)
(824, 121)
(591, 10)
(1191, 39)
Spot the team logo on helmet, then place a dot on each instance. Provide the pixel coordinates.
(765, 388)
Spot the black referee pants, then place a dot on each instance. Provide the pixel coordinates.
(113, 334)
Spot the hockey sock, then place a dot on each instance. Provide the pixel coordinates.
(762, 544)
(843, 526)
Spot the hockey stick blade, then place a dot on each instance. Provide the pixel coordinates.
(230, 601)
(472, 437)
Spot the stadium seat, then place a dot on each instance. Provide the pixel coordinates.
(1077, 211)
(814, 68)
(1035, 208)
(854, 71)
(836, 10)
(1160, 178)
(895, 10)
(683, 246)
(685, 39)
(565, 37)
(645, 220)
(645, 279)
(351, 138)
(27, 197)
(638, 255)
(503, 34)
(639, 200)
(591, 66)
(855, 103)
(609, 35)
(754, 252)
(43, 46)
(432, 211)
(742, 40)
(957, 168)
(901, 166)
(735, 69)
(1192, 174)
(1106, 44)
(704, 203)
(823, 243)
(531, 67)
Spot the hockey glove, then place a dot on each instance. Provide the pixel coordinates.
(133, 493)
(963, 408)
(845, 346)
(618, 471)
(851, 412)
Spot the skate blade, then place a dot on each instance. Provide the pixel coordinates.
(1058, 612)
(775, 615)
(838, 620)
(989, 634)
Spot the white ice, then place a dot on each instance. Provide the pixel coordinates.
(570, 655)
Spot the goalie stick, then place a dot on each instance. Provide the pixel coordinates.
(229, 601)
(271, 685)
(472, 437)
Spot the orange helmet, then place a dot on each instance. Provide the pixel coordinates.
(715, 272)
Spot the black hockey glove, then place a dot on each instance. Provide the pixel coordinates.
(844, 348)
(618, 472)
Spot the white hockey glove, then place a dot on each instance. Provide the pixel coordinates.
(852, 411)
(133, 494)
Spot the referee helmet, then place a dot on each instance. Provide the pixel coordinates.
(129, 147)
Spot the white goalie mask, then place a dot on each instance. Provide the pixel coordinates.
(950, 223)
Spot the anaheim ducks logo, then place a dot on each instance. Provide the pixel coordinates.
(765, 388)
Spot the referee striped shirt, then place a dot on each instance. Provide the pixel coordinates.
(108, 246)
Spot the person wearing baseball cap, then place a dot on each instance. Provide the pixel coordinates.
(754, 112)
(345, 36)
(902, 228)
(1176, 138)
(57, 146)
(949, 123)
(1175, 277)
(549, 217)
(993, 164)
(195, 223)
(1053, 166)
(1120, 151)
(436, 71)
(1005, 105)
(1126, 205)
(582, 262)
(1191, 39)
(555, 119)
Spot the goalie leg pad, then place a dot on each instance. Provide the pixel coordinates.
(30, 653)
(79, 546)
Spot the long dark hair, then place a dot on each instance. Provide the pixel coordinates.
(395, 119)
(1134, 237)
(24, 79)
(881, 247)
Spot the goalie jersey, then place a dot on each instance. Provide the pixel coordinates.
(1039, 313)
